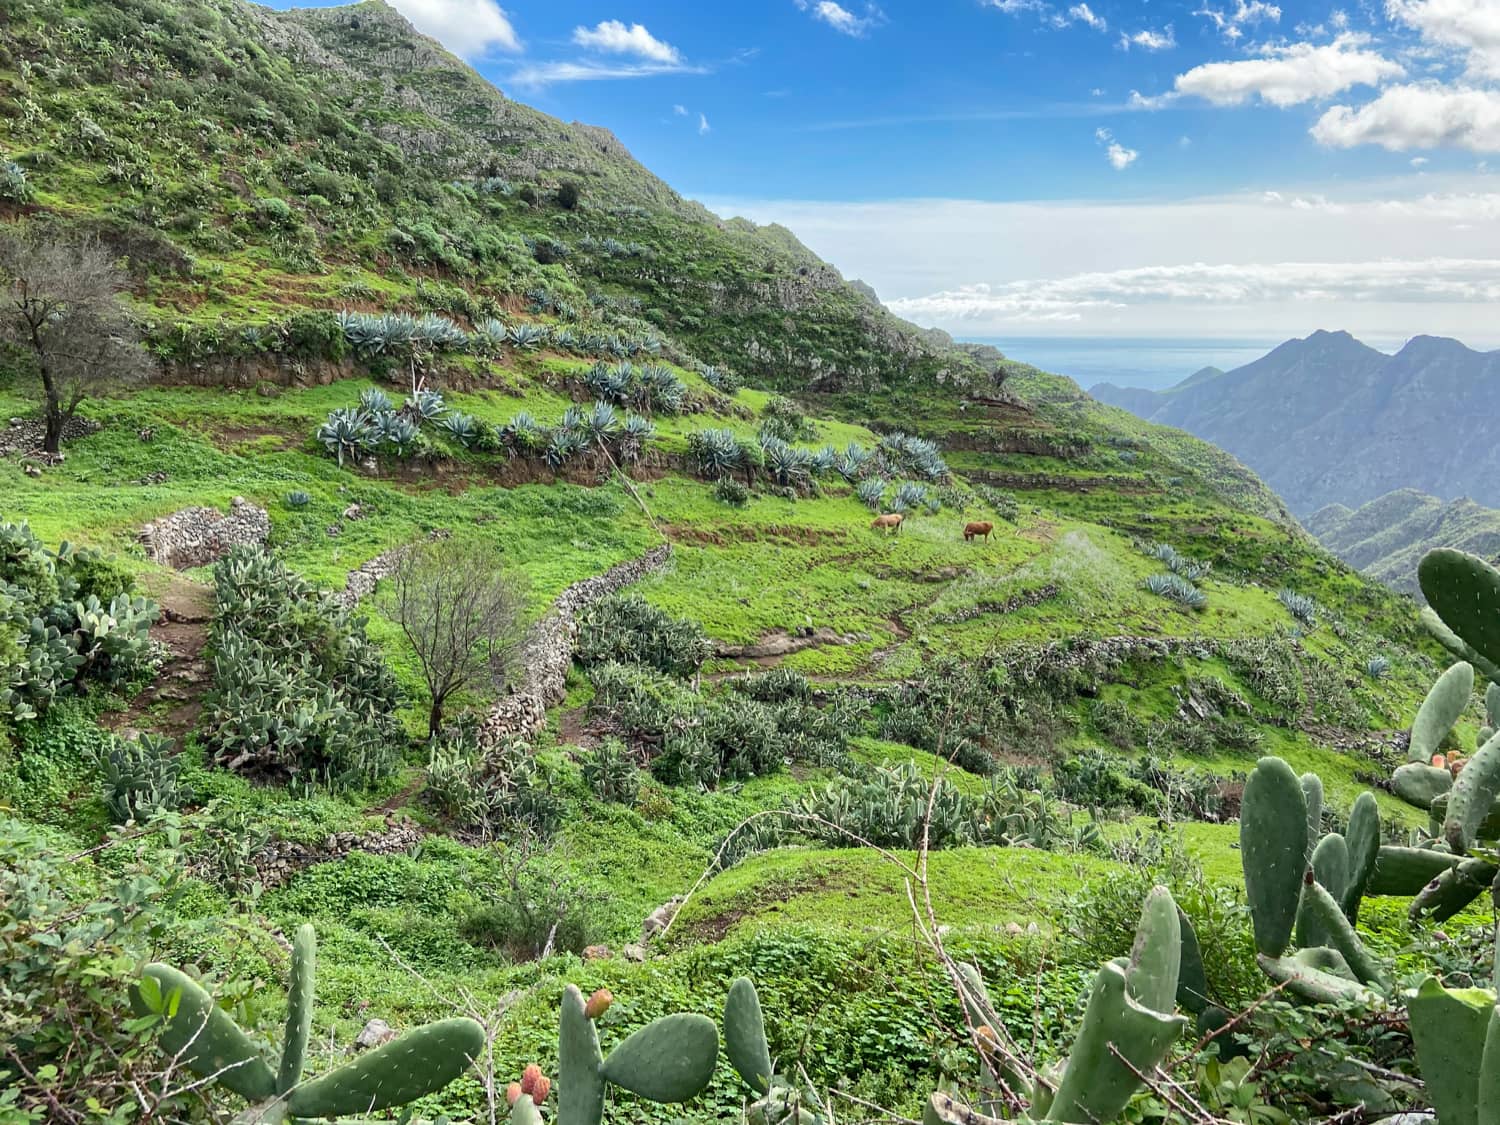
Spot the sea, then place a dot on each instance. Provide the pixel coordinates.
(1133, 361)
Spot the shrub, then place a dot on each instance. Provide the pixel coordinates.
(540, 908)
(1177, 589)
(1118, 724)
(731, 492)
(569, 195)
(611, 773)
(139, 778)
(299, 691)
(783, 419)
(776, 686)
(1300, 606)
(504, 792)
(627, 629)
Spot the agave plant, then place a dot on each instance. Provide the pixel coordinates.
(852, 461)
(489, 336)
(915, 456)
(720, 379)
(824, 461)
(1377, 667)
(1300, 606)
(909, 495)
(462, 428)
(424, 406)
(871, 492)
(1163, 552)
(565, 339)
(611, 382)
(563, 447)
(439, 334)
(658, 389)
(1178, 589)
(601, 424)
(718, 453)
(786, 464)
(297, 498)
(395, 431)
(375, 402)
(346, 432)
(572, 420)
(523, 433)
(1194, 570)
(634, 434)
(528, 337)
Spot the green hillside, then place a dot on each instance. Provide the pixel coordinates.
(322, 212)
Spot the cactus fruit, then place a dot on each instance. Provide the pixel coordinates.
(205, 1040)
(543, 1088)
(409, 1067)
(299, 1006)
(580, 1093)
(1273, 849)
(529, 1078)
(202, 1036)
(1405, 871)
(745, 1036)
(1450, 1029)
(513, 1093)
(1473, 796)
(1445, 703)
(1419, 784)
(1362, 840)
(598, 1003)
(671, 1059)
(1464, 591)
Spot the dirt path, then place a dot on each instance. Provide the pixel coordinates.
(170, 705)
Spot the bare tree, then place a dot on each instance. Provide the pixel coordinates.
(463, 613)
(62, 307)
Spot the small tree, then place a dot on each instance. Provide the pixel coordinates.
(464, 615)
(568, 195)
(62, 308)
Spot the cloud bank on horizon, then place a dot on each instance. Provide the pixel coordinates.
(1029, 166)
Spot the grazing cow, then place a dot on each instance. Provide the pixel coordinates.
(889, 522)
(973, 529)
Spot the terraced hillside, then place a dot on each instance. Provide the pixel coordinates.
(392, 307)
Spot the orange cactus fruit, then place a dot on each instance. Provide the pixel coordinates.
(598, 1003)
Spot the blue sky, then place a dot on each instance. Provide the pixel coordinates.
(1045, 166)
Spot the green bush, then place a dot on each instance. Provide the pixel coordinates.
(627, 629)
(139, 778)
(731, 492)
(611, 773)
(505, 792)
(299, 691)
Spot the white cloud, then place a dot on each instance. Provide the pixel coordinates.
(703, 126)
(1082, 13)
(615, 38)
(1197, 284)
(840, 18)
(1471, 26)
(680, 110)
(471, 28)
(1149, 40)
(1231, 22)
(1015, 7)
(1118, 155)
(1306, 259)
(546, 74)
(1292, 74)
(1418, 161)
(1425, 116)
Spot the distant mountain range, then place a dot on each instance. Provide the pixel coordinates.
(1387, 537)
(1328, 420)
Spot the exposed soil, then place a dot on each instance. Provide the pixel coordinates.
(171, 704)
(779, 643)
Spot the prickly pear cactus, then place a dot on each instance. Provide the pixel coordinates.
(745, 1036)
(201, 1035)
(669, 1060)
(1445, 703)
(1273, 850)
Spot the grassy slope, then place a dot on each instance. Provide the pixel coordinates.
(1090, 481)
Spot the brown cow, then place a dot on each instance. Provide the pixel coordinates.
(973, 529)
(890, 522)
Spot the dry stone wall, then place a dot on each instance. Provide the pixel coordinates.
(548, 651)
(198, 536)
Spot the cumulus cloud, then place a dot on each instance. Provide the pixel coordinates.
(1082, 13)
(1231, 22)
(613, 37)
(1470, 26)
(471, 28)
(840, 18)
(1148, 40)
(1118, 155)
(1291, 74)
(1417, 116)
(1464, 280)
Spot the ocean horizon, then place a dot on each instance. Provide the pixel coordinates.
(1151, 362)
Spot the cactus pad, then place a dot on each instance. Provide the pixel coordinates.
(416, 1064)
(1449, 1028)
(1192, 981)
(1405, 871)
(1156, 957)
(745, 1036)
(1445, 703)
(204, 1038)
(1419, 784)
(1273, 850)
(1456, 645)
(1321, 905)
(1097, 1082)
(1312, 794)
(1307, 975)
(299, 1008)
(1464, 591)
(669, 1060)
(1473, 796)
(580, 1090)
(524, 1112)
(1362, 838)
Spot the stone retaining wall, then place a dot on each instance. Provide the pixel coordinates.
(548, 652)
(198, 536)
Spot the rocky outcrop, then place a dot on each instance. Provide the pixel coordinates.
(25, 435)
(198, 536)
(277, 862)
(548, 652)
